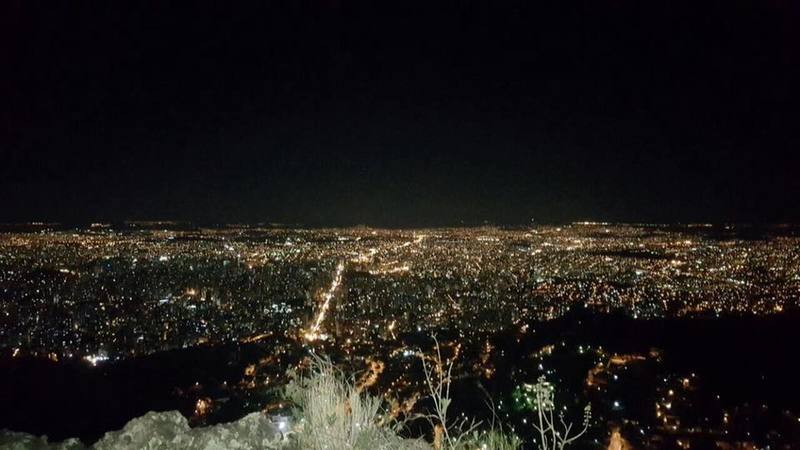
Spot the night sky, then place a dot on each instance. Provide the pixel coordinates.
(398, 113)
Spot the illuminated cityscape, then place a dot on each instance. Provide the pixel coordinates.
(373, 298)
(125, 293)
(400, 225)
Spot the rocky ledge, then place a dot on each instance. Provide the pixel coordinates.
(166, 430)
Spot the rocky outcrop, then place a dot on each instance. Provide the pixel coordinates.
(10, 440)
(166, 430)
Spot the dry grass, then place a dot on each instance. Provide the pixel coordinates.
(334, 415)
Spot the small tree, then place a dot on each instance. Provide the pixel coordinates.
(462, 433)
(448, 434)
(540, 397)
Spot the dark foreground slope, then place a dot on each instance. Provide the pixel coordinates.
(743, 362)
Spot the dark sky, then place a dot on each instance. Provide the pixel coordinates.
(400, 113)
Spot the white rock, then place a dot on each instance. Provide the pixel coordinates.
(166, 430)
(10, 440)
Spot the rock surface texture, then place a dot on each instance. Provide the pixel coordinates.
(165, 430)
